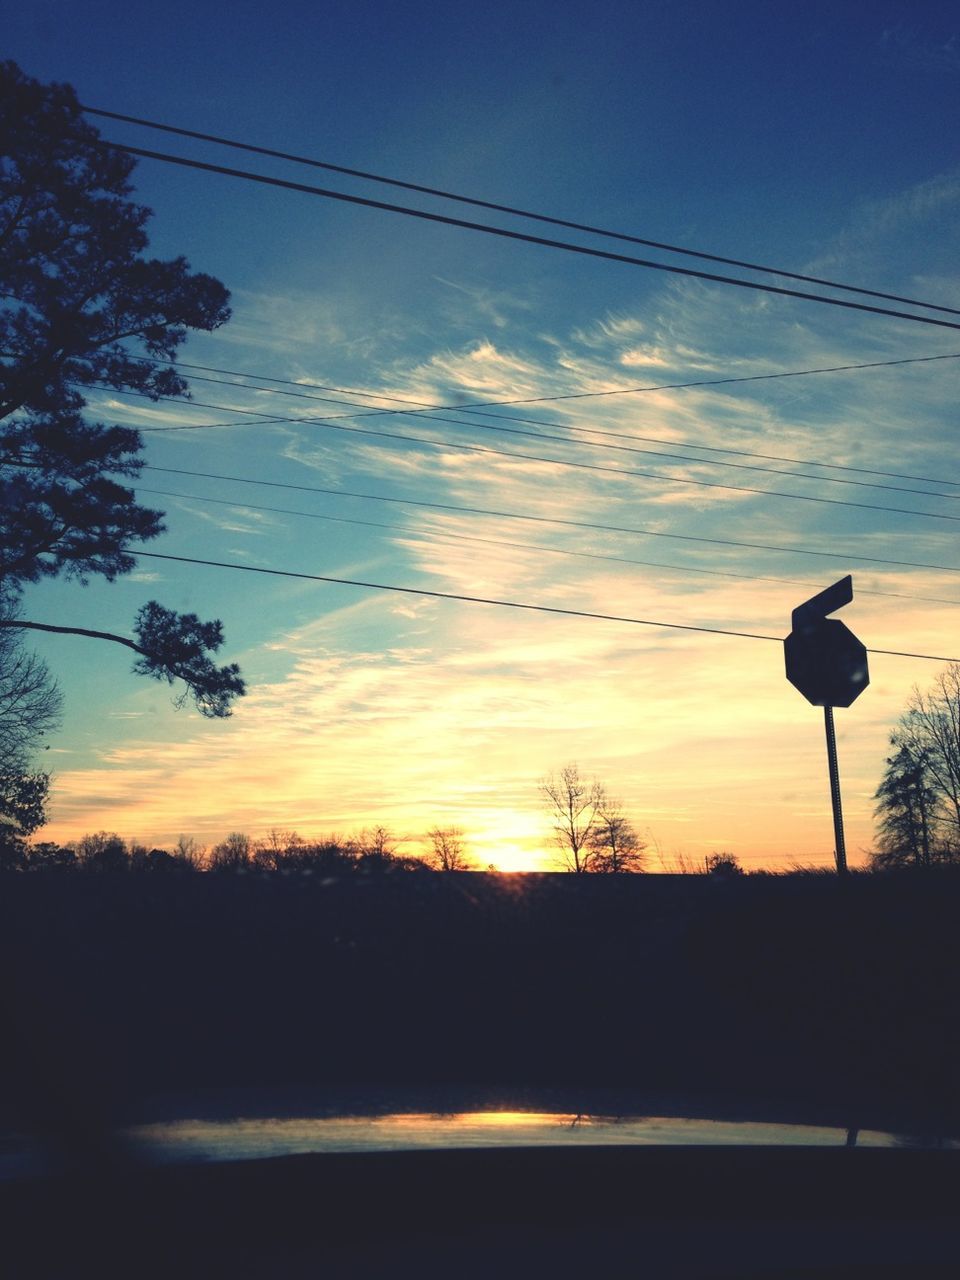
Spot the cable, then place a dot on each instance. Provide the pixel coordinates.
(260, 420)
(425, 409)
(330, 422)
(598, 467)
(472, 406)
(502, 604)
(630, 391)
(572, 524)
(524, 237)
(504, 208)
(430, 536)
(334, 425)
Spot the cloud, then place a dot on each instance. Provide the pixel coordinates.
(238, 519)
(478, 369)
(493, 306)
(643, 358)
(610, 329)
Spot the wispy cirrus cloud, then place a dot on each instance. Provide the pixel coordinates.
(497, 306)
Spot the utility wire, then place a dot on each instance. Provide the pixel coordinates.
(552, 520)
(331, 422)
(428, 535)
(663, 477)
(524, 237)
(504, 208)
(474, 405)
(424, 409)
(502, 604)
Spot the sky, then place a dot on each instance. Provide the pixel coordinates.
(815, 138)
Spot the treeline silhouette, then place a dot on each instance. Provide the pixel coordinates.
(370, 851)
(374, 851)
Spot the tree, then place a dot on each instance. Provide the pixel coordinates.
(189, 853)
(103, 851)
(447, 852)
(152, 860)
(22, 798)
(574, 803)
(332, 856)
(722, 865)
(80, 307)
(374, 848)
(378, 851)
(907, 809)
(232, 854)
(49, 857)
(616, 845)
(918, 799)
(29, 709)
(22, 811)
(931, 726)
(29, 699)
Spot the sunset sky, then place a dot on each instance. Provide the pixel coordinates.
(818, 138)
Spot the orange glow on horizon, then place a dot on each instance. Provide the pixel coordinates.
(475, 1119)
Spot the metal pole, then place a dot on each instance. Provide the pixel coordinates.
(841, 850)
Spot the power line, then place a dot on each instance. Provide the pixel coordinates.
(553, 520)
(502, 604)
(524, 237)
(504, 208)
(428, 412)
(431, 536)
(325, 420)
(474, 405)
(331, 422)
(328, 424)
(422, 409)
(598, 467)
(426, 409)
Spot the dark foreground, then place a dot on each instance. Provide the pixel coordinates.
(664, 1213)
(783, 987)
(801, 992)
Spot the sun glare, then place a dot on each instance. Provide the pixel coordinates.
(509, 1119)
(525, 848)
(477, 1119)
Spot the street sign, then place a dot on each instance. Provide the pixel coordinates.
(828, 664)
(824, 659)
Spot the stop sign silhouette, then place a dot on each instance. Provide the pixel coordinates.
(827, 663)
(824, 659)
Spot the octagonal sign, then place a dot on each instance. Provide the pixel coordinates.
(824, 659)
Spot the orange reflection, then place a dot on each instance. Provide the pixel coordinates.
(478, 1119)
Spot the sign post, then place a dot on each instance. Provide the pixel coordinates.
(828, 664)
(839, 842)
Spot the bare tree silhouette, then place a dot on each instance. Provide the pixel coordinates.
(616, 844)
(447, 853)
(574, 804)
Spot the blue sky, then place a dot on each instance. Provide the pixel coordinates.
(819, 138)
